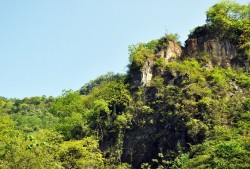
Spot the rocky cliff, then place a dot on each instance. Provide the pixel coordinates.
(142, 76)
(221, 51)
(183, 96)
(218, 52)
(154, 77)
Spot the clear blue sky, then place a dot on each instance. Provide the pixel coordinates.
(50, 45)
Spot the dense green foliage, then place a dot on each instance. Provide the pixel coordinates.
(188, 116)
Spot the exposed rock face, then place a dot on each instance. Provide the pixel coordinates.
(136, 149)
(164, 137)
(142, 76)
(221, 52)
(172, 52)
(138, 144)
(147, 72)
(144, 143)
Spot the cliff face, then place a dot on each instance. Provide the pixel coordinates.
(172, 52)
(142, 76)
(185, 96)
(136, 149)
(221, 52)
(146, 73)
(165, 136)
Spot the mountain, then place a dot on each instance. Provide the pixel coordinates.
(177, 107)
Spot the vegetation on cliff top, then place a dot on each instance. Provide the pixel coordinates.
(230, 21)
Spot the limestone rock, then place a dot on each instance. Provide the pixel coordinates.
(171, 53)
(147, 72)
(220, 52)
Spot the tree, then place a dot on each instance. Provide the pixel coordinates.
(232, 20)
(80, 154)
(66, 104)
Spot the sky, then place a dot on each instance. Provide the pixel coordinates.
(47, 46)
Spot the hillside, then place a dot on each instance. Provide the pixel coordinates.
(176, 107)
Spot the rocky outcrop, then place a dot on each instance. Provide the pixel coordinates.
(136, 150)
(170, 53)
(147, 72)
(221, 52)
(141, 76)
(160, 84)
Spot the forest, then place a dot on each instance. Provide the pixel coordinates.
(190, 109)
